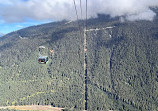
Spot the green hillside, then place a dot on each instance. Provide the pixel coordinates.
(122, 66)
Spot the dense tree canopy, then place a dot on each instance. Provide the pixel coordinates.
(122, 66)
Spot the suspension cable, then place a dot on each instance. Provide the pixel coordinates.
(81, 7)
(75, 9)
(86, 13)
(85, 53)
(77, 16)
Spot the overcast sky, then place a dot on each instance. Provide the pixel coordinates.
(17, 14)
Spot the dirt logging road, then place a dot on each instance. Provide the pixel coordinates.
(33, 108)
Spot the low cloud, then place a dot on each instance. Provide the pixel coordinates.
(21, 10)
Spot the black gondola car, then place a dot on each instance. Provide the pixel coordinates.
(43, 59)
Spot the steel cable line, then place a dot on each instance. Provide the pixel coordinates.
(81, 7)
(85, 52)
(86, 13)
(77, 16)
(75, 9)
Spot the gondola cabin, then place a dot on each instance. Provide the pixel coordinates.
(43, 59)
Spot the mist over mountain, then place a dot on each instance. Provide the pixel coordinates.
(122, 65)
(21, 10)
(1, 34)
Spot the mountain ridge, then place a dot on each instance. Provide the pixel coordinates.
(1, 34)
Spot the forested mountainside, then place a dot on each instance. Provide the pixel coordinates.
(122, 66)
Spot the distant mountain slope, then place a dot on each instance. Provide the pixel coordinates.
(1, 34)
(122, 66)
